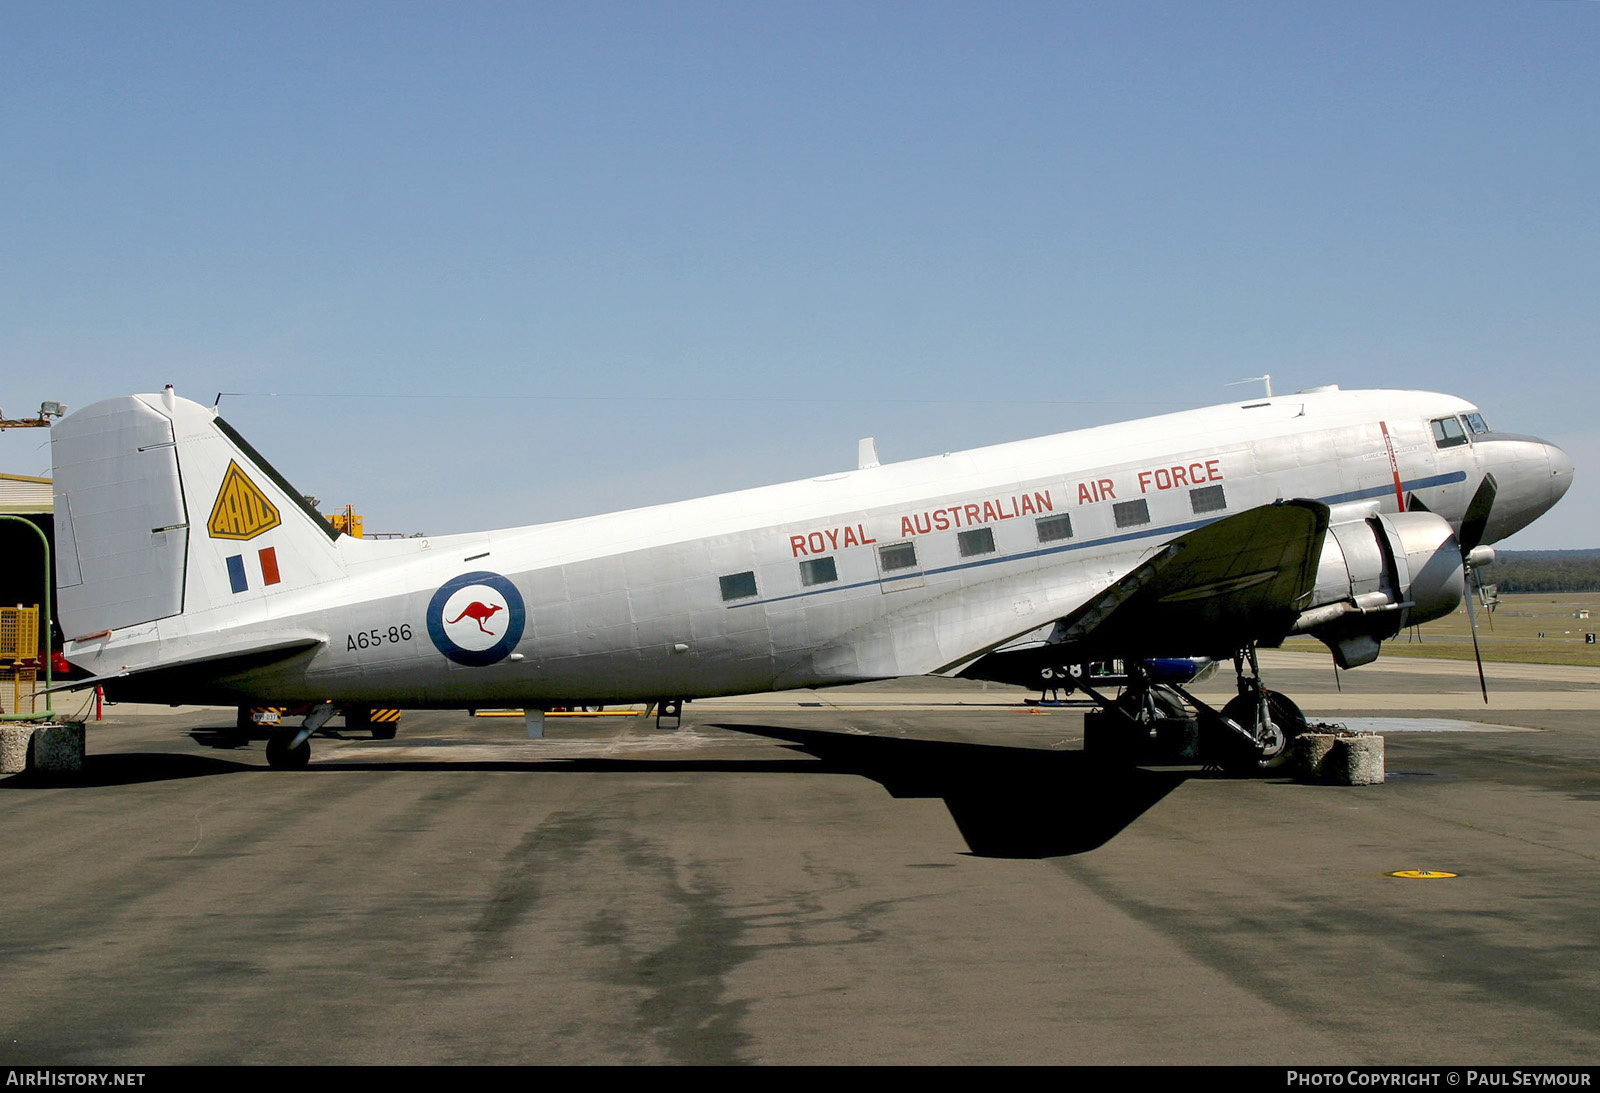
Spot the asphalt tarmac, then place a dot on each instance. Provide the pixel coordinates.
(906, 872)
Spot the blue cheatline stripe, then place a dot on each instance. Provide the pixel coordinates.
(1388, 487)
(1144, 533)
(236, 573)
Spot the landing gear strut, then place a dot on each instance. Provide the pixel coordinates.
(1146, 723)
(1254, 730)
(1154, 719)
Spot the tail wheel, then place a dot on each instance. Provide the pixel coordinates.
(1287, 723)
(280, 756)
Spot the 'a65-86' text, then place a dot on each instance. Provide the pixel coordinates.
(371, 639)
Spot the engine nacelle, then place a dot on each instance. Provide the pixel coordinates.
(1379, 575)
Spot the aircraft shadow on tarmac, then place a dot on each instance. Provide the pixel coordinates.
(1008, 802)
(127, 768)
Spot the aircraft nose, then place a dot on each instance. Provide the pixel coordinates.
(1532, 475)
(1560, 472)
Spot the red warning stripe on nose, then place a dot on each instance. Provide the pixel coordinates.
(269, 565)
(1394, 466)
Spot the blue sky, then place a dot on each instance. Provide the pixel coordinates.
(507, 263)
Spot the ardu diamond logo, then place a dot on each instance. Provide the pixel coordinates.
(241, 511)
(476, 619)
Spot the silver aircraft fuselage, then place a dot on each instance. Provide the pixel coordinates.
(901, 569)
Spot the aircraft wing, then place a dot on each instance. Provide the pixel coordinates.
(1212, 591)
(1242, 579)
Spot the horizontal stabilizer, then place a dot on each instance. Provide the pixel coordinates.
(219, 656)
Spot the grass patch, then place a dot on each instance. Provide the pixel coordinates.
(1527, 628)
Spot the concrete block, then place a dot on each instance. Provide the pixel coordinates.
(14, 741)
(1337, 759)
(55, 747)
(1356, 761)
(1308, 755)
(1177, 741)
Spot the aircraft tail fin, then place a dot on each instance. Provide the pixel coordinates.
(162, 509)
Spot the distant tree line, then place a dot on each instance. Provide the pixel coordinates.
(1545, 571)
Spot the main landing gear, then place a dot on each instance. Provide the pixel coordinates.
(1154, 719)
(1254, 730)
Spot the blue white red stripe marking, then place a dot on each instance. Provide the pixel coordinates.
(239, 579)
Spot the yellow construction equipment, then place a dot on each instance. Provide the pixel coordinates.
(347, 521)
(19, 659)
(19, 633)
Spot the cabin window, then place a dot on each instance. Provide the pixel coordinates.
(976, 541)
(738, 586)
(897, 556)
(1448, 433)
(818, 571)
(1131, 514)
(1476, 424)
(1053, 528)
(1207, 499)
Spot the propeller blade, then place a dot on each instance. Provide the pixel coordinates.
(1472, 621)
(1477, 517)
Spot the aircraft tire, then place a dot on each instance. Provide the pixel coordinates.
(280, 756)
(1239, 758)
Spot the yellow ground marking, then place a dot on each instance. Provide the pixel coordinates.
(1421, 874)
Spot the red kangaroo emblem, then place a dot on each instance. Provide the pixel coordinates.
(478, 613)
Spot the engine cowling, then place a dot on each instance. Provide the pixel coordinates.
(1378, 575)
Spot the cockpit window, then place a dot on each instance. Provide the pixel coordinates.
(1476, 424)
(1448, 433)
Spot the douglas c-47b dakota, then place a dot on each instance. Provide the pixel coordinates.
(189, 570)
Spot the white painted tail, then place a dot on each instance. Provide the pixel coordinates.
(162, 509)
